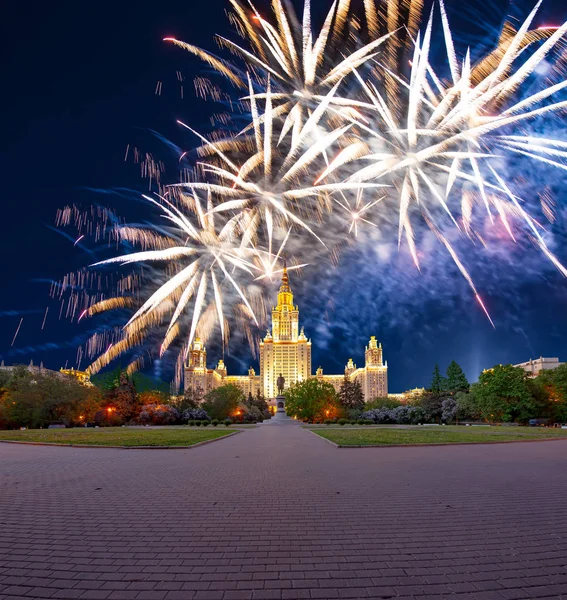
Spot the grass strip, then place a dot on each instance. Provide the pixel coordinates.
(118, 436)
(441, 435)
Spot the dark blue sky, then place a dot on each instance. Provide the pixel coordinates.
(78, 85)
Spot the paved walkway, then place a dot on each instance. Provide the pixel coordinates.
(275, 512)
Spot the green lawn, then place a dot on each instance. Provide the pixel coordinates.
(119, 436)
(390, 436)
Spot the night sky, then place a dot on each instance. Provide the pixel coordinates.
(79, 82)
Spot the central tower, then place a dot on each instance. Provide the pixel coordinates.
(285, 349)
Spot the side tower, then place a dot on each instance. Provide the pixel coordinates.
(196, 373)
(374, 378)
(285, 349)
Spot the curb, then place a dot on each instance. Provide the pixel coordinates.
(322, 438)
(560, 439)
(98, 446)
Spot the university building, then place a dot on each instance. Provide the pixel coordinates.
(534, 367)
(286, 350)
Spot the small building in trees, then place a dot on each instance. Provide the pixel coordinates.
(533, 366)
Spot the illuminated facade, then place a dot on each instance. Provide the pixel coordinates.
(82, 377)
(534, 367)
(285, 349)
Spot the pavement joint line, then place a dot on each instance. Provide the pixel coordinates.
(222, 437)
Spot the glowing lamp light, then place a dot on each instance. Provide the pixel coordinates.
(81, 417)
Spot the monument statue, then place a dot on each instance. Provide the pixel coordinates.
(281, 383)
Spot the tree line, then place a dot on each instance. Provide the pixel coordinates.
(39, 399)
(503, 394)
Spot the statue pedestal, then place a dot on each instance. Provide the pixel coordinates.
(280, 404)
(280, 416)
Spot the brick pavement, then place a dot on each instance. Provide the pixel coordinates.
(277, 513)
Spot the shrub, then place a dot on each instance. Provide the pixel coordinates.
(191, 423)
(379, 416)
(204, 423)
(353, 414)
(227, 422)
(328, 421)
(214, 422)
(250, 413)
(360, 422)
(157, 414)
(342, 421)
(195, 414)
(198, 423)
(403, 415)
(449, 407)
(353, 422)
(368, 422)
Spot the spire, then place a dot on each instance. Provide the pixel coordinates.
(285, 279)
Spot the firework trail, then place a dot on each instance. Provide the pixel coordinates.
(354, 135)
(44, 318)
(17, 331)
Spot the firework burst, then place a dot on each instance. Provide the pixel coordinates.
(353, 126)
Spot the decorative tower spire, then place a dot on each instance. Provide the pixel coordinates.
(285, 279)
(285, 315)
(285, 295)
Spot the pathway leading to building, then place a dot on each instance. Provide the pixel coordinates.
(275, 512)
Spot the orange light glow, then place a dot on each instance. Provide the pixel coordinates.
(109, 409)
(81, 417)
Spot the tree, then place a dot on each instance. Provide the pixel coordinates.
(153, 397)
(111, 380)
(553, 382)
(448, 410)
(311, 399)
(191, 400)
(437, 382)
(456, 379)
(432, 404)
(503, 394)
(382, 403)
(257, 405)
(158, 414)
(122, 399)
(351, 395)
(223, 401)
(39, 399)
(467, 408)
